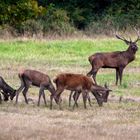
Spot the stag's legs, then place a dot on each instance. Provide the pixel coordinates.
(94, 76)
(121, 74)
(93, 72)
(89, 73)
(41, 92)
(117, 76)
(98, 98)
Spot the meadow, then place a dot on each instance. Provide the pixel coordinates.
(115, 120)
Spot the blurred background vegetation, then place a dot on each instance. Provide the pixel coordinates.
(66, 17)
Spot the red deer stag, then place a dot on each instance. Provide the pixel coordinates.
(79, 83)
(116, 60)
(36, 78)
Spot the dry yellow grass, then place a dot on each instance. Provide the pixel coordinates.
(114, 121)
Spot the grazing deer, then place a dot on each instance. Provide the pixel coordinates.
(116, 60)
(36, 78)
(104, 96)
(6, 90)
(73, 94)
(79, 83)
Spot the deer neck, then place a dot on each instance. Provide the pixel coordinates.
(130, 55)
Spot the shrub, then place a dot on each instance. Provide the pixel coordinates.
(56, 21)
(30, 27)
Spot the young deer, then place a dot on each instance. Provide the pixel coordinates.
(73, 94)
(115, 60)
(36, 78)
(78, 83)
(104, 96)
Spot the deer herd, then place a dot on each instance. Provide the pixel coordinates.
(76, 83)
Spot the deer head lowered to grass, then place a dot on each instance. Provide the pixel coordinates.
(116, 60)
(104, 95)
(38, 79)
(80, 84)
(6, 90)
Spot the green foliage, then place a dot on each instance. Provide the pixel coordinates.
(15, 13)
(30, 27)
(56, 21)
(60, 17)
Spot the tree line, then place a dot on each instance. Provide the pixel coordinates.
(66, 16)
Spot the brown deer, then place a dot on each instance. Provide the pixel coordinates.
(116, 60)
(36, 78)
(73, 94)
(79, 83)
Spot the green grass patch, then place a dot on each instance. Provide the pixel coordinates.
(60, 53)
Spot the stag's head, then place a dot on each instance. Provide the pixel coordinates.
(132, 44)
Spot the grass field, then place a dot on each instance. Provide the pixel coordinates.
(115, 120)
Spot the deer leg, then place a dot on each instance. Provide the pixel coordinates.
(90, 73)
(94, 75)
(121, 75)
(25, 93)
(18, 91)
(40, 93)
(44, 98)
(98, 98)
(51, 98)
(117, 76)
(76, 98)
(57, 97)
(0, 99)
(70, 98)
(84, 94)
(88, 97)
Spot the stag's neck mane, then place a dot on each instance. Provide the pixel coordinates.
(129, 54)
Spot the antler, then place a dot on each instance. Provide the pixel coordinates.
(137, 32)
(122, 38)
